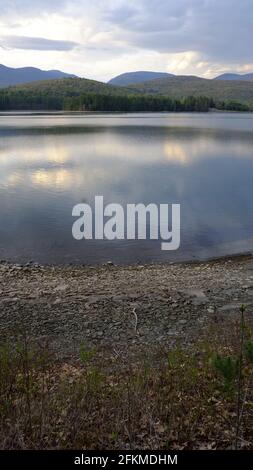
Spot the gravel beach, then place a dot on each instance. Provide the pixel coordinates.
(121, 309)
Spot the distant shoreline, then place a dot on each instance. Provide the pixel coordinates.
(32, 112)
(236, 257)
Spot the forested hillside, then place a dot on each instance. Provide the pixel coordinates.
(88, 95)
(219, 90)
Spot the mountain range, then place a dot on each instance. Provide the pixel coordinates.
(15, 76)
(61, 86)
(10, 76)
(133, 78)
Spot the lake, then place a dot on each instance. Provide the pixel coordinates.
(50, 162)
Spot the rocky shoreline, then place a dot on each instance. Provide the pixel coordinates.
(121, 309)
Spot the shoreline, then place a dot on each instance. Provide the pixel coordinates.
(132, 309)
(212, 259)
(63, 112)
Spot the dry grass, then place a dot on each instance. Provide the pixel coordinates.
(179, 401)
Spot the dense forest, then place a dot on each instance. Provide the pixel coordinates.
(87, 95)
(147, 103)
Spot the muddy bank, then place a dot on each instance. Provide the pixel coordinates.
(121, 309)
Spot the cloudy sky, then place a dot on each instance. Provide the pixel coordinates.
(102, 38)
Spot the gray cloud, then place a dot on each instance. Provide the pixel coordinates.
(219, 29)
(30, 7)
(36, 44)
(121, 15)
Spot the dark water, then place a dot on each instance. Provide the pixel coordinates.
(49, 163)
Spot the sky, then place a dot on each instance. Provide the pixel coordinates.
(100, 39)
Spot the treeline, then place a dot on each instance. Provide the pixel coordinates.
(15, 99)
(233, 106)
(135, 103)
(23, 100)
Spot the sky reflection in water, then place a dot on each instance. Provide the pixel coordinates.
(50, 163)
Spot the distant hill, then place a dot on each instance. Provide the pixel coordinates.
(165, 94)
(10, 76)
(137, 77)
(183, 86)
(248, 77)
(57, 94)
(70, 87)
(77, 94)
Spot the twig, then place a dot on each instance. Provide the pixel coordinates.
(136, 322)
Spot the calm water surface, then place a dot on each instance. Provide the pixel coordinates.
(49, 163)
